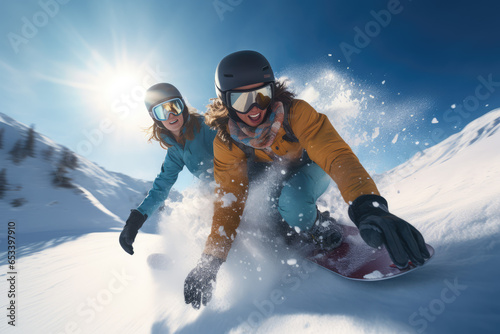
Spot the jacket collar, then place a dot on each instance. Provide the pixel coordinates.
(170, 139)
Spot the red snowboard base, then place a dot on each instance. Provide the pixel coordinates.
(355, 260)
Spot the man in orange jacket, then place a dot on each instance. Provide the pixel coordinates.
(258, 119)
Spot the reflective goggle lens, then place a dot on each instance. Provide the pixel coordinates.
(244, 101)
(164, 109)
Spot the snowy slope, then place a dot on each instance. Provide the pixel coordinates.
(105, 197)
(461, 172)
(450, 192)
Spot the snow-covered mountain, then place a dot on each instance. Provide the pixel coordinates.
(449, 192)
(475, 132)
(461, 171)
(99, 199)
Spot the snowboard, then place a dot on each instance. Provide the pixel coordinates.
(355, 260)
(159, 261)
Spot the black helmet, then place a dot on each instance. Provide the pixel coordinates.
(239, 69)
(159, 93)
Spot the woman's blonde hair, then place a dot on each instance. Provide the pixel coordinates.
(192, 124)
(217, 115)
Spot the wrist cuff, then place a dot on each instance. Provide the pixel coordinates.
(211, 261)
(136, 219)
(365, 205)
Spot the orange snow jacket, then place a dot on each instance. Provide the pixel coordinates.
(324, 146)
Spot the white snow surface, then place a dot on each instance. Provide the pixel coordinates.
(73, 277)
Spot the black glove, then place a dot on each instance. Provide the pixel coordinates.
(132, 226)
(201, 280)
(378, 226)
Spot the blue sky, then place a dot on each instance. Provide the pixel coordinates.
(76, 69)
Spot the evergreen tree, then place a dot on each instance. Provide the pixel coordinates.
(2, 130)
(17, 152)
(17, 202)
(29, 144)
(60, 178)
(48, 153)
(68, 159)
(3, 183)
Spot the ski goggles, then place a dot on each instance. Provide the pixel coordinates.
(162, 111)
(242, 101)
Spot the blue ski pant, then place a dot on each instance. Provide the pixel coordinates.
(297, 194)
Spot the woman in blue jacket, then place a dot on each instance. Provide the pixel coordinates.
(188, 141)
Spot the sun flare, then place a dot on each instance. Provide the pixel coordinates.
(116, 82)
(117, 94)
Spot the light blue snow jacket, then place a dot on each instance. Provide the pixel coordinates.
(197, 155)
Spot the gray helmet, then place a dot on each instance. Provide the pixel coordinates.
(159, 93)
(239, 69)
